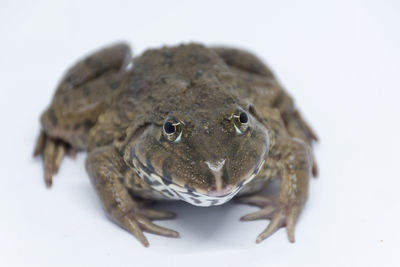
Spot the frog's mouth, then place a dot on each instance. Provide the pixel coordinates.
(171, 190)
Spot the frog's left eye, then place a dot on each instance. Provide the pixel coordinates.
(241, 121)
(172, 129)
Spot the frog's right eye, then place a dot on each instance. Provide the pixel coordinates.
(241, 121)
(172, 129)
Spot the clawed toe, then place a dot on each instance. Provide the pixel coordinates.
(264, 213)
(276, 222)
(53, 152)
(255, 200)
(156, 214)
(139, 221)
(279, 214)
(150, 227)
(132, 226)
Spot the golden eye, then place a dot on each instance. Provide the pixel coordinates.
(241, 121)
(172, 129)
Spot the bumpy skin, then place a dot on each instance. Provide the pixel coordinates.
(234, 129)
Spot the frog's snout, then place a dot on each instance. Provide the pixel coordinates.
(217, 168)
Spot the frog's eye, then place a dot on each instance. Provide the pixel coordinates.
(172, 129)
(241, 121)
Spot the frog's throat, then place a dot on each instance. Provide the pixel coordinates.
(172, 191)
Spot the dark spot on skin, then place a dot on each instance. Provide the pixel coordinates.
(86, 91)
(165, 175)
(195, 200)
(77, 126)
(123, 169)
(88, 124)
(164, 80)
(71, 79)
(112, 84)
(279, 99)
(122, 138)
(52, 116)
(191, 192)
(149, 165)
(189, 188)
(213, 202)
(165, 191)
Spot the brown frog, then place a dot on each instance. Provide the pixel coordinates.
(191, 123)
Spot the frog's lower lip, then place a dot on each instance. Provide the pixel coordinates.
(173, 191)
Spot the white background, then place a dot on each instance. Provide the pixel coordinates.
(341, 62)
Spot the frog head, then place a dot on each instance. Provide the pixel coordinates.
(202, 143)
(204, 158)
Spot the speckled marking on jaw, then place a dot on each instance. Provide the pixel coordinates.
(174, 192)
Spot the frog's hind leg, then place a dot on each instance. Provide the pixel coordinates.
(86, 90)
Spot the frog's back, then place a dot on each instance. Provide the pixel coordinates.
(164, 76)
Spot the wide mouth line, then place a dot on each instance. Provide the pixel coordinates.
(169, 183)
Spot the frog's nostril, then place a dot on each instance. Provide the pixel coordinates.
(216, 168)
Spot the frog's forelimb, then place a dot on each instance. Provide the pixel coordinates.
(105, 168)
(294, 162)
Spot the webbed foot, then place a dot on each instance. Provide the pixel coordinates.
(280, 214)
(139, 220)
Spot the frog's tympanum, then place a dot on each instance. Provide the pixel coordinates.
(189, 122)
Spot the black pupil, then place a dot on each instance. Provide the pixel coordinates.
(169, 127)
(243, 117)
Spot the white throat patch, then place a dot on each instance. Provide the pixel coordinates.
(175, 192)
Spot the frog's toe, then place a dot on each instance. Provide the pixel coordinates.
(131, 225)
(39, 144)
(264, 213)
(157, 214)
(291, 219)
(137, 223)
(255, 200)
(150, 227)
(277, 221)
(280, 214)
(52, 152)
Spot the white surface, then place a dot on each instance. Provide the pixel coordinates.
(341, 62)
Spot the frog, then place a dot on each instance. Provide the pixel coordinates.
(200, 124)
